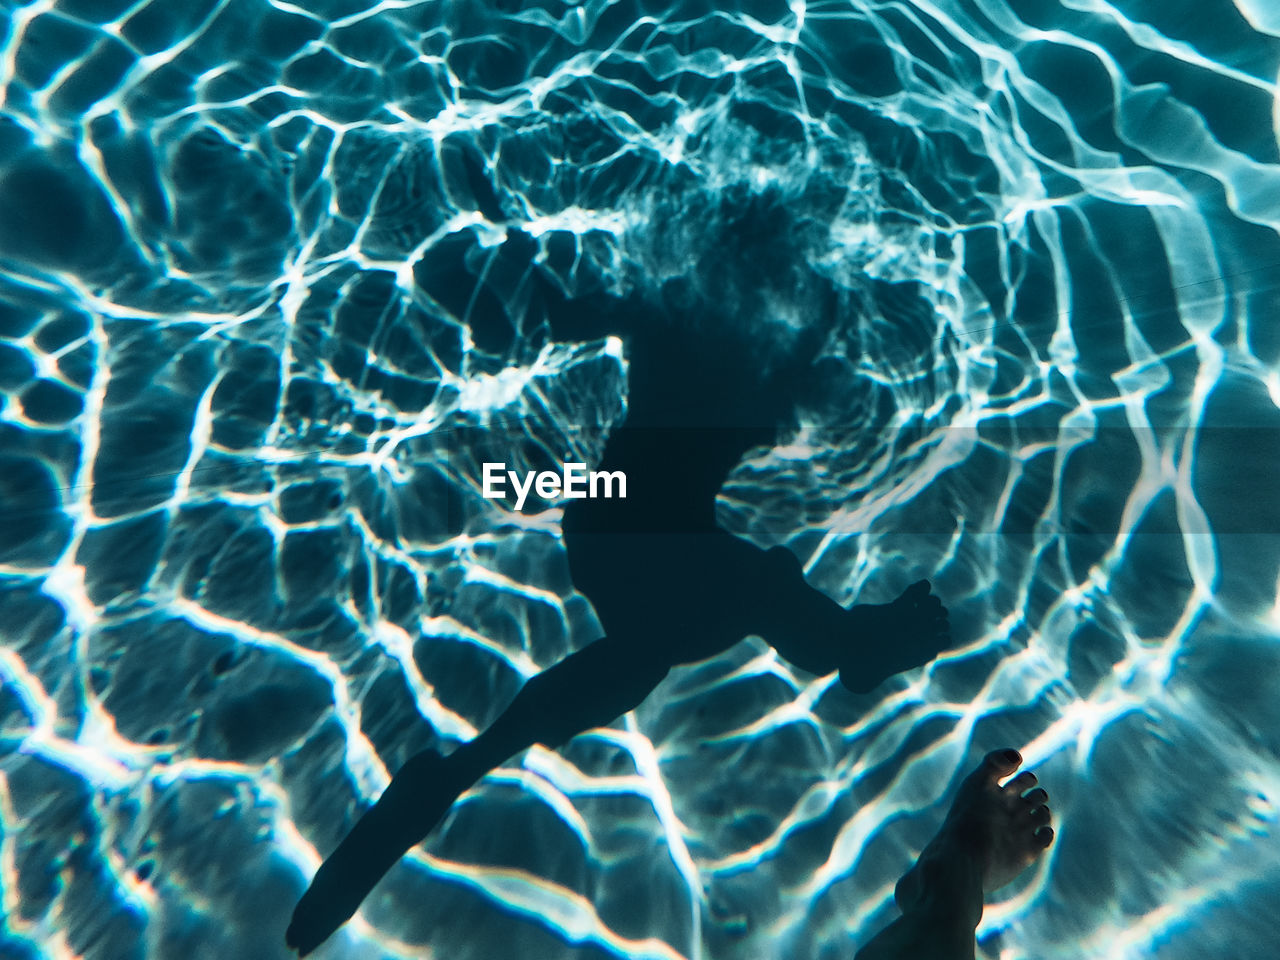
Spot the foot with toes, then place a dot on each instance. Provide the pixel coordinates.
(893, 637)
(991, 834)
(1001, 829)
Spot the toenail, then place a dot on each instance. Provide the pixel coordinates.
(1012, 756)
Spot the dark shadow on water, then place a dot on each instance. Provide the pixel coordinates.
(668, 586)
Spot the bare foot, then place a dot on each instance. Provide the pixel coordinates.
(996, 830)
(897, 636)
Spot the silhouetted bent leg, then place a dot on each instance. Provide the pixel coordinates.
(866, 643)
(807, 627)
(697, 594)
(766, 594)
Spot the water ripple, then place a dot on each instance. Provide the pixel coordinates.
(278, 277)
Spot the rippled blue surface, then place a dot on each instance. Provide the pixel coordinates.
(264, 296)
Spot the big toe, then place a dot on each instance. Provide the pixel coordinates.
(998, 764)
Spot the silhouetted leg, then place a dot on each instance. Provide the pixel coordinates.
(867, 643)
(754, 591)
(590, 688)
(587, 689)
(801, 622)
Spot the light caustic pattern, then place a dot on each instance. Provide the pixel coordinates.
(275, 280)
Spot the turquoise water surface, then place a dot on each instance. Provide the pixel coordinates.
(275, 278)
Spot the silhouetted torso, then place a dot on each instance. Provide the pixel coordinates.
(694, 407)
(697, 400)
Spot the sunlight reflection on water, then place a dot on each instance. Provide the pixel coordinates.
(269, 301)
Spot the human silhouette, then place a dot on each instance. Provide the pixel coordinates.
(991, 834)
(668, 586)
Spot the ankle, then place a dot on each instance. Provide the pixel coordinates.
(949, 883)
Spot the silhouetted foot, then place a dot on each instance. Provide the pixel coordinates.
(893, 637)
(995, 828)
(413, 803)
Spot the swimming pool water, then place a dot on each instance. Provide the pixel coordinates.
(277, 278)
